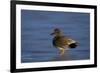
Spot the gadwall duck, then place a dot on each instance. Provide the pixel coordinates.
(62, 42)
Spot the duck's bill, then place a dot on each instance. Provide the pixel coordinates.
(52, 33)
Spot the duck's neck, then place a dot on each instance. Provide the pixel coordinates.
(59, 34)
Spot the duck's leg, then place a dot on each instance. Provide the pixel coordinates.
(62, 51)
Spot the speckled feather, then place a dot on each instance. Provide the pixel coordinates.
(60, 41)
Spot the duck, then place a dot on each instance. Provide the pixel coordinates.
(62, 42)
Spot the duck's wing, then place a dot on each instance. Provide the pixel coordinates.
(60, 41)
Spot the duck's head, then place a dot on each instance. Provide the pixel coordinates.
(56, 32)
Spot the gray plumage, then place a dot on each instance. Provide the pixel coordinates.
(62, 42)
